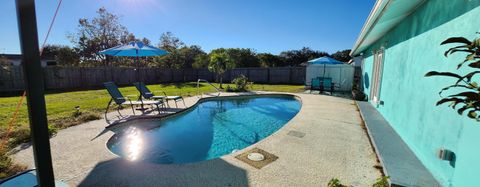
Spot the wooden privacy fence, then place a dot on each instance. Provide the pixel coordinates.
(60, 78)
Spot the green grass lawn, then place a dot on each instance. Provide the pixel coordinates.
(92, 103)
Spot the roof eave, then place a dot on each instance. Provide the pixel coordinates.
(375, 14)
(385, 15)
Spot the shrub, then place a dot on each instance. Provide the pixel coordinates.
(241, 83)
(19, 134)
(358, 95)
(381, 182)
(7, 167)
(230, 89)
(336, 183)
(77, 118)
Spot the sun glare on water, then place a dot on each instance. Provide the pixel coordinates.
(134, 144)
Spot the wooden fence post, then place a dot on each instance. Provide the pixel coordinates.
(183, 75)
(196, 74)
(268, 75)
(290, 75)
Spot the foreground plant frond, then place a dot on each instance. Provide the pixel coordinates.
(469, 99)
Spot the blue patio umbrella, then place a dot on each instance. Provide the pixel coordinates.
(324, 60)
(134, 49)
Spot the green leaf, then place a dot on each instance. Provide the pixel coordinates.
(472, 114)
(454, 86)
(447, 74)
(454, 100)
(469, 77)
(469, 95)
(458, 47)
(457, 40)
(473, 85)
(475, 64)
(470, 57)
(451, 51)
(476, 43)
(461, 110)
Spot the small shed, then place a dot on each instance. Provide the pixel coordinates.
(341, 73)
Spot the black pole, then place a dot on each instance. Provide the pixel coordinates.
(138, 80)
(138, 68)
(324, 67)
(33, 75)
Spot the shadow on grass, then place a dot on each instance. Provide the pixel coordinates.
(121, 172)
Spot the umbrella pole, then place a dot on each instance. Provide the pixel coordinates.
(323, 78)
(324, 67)
(138, 68)
(138, 80)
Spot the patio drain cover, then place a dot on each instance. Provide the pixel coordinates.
(296, 134)
(257, 158)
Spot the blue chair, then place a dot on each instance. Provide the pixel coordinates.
(327, 84)
(322, 84)
(315, 84)
(147, 94)
(120, 100)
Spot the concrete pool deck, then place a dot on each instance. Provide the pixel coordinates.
(334, 145)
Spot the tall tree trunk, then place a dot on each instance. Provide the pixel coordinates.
(221, 79)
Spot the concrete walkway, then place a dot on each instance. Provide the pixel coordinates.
(334, 145)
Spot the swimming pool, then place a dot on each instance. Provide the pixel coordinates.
(213, 128)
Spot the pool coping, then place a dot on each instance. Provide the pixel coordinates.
(335, 146)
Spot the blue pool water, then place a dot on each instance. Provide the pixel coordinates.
(211, 129)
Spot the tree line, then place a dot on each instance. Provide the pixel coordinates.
(105, 31)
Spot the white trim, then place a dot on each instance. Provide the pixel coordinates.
(381, 8)
(377, 75)
(375, 14)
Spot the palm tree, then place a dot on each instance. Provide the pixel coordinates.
(220, 62)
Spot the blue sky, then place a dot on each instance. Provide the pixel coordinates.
(264, 25)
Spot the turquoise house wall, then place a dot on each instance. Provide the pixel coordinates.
(412, 49)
